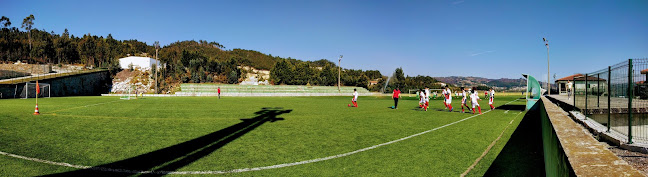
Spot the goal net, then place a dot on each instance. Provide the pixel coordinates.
(126, 94)
(29, 91)
(413, 92)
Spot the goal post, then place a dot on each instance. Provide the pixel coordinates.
(128, 92)
(29, 90)
(413, 92)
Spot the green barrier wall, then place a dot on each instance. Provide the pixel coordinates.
(556, 162)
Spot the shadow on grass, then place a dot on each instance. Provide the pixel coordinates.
(171, 158)
(512, 107)
(523, 154)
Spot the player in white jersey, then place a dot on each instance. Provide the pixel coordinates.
(355, 99)
(491, 98)
(474, 97)
(427, 97)
(463, 100)
(422, 99)
(443, 92)
(449, 98)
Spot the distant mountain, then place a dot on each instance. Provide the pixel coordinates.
(503, 83)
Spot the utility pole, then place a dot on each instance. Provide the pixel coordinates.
(339, 71)
(548, 75)
(157, 62)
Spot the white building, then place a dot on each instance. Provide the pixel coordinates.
(142, 63)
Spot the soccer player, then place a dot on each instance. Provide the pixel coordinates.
(355, 98)
(473, 98)
(435, 95)
(463, 100)
(490, 99)
(486, 94)
(422, 99)
(443, 92)
(396, 96)
(218, 92)
(449, 98)
(427, 96)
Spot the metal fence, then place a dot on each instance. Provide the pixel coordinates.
(616, 97)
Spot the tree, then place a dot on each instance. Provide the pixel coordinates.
(373, 74)
(399, 74)
(28, 22)
(328, 76)
(282, 72)
(6, 22)
(232, 78)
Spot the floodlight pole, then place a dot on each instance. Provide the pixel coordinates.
(157, 47)
(339, 71)
(548, 75)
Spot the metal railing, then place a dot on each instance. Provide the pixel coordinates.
(616, 97)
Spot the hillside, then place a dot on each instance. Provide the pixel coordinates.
(503, 83)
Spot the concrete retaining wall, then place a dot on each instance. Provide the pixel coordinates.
(571, 150)
(89, 84)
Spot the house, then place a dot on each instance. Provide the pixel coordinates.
(578, 83)
(142, 63)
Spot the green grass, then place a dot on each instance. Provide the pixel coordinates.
(114, 130)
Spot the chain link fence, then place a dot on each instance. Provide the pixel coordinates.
(616, 97)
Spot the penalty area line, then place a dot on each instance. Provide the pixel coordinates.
(84, 106)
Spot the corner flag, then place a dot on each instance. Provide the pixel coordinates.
(37, 89)
(37, 92)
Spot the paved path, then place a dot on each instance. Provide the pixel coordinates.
(599, 105)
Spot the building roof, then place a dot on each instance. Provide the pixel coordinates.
(579, 77)
(645, 71)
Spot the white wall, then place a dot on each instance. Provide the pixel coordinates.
(143, 63)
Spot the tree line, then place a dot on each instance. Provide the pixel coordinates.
(39, 46)
(184, 61)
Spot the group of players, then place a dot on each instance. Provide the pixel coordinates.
(424, 98)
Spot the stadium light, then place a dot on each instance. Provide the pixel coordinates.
(548, 75)
(157, 62)
(339, 71)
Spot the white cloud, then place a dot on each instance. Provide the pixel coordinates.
(475, 54)
(457, 2)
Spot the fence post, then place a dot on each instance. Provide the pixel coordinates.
(598, 90)
(586, 86)
(609, 95)
(630, 95)
(574, 91)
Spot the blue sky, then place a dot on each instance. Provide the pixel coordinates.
(492, 39)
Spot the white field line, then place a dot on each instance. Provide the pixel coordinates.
(489, 147)
(85, 106)
(241, 169)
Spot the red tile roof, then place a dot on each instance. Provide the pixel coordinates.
(579, 77)
(645, 71)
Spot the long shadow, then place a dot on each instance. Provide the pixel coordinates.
(163, 161)
(512, 107)
(523, 154)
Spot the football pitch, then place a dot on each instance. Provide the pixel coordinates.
(250, 136)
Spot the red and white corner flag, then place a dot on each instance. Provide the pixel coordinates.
(37, 88)
(37, 92)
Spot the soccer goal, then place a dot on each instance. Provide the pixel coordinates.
(413, 92)
(126, 94)
(29, 91)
